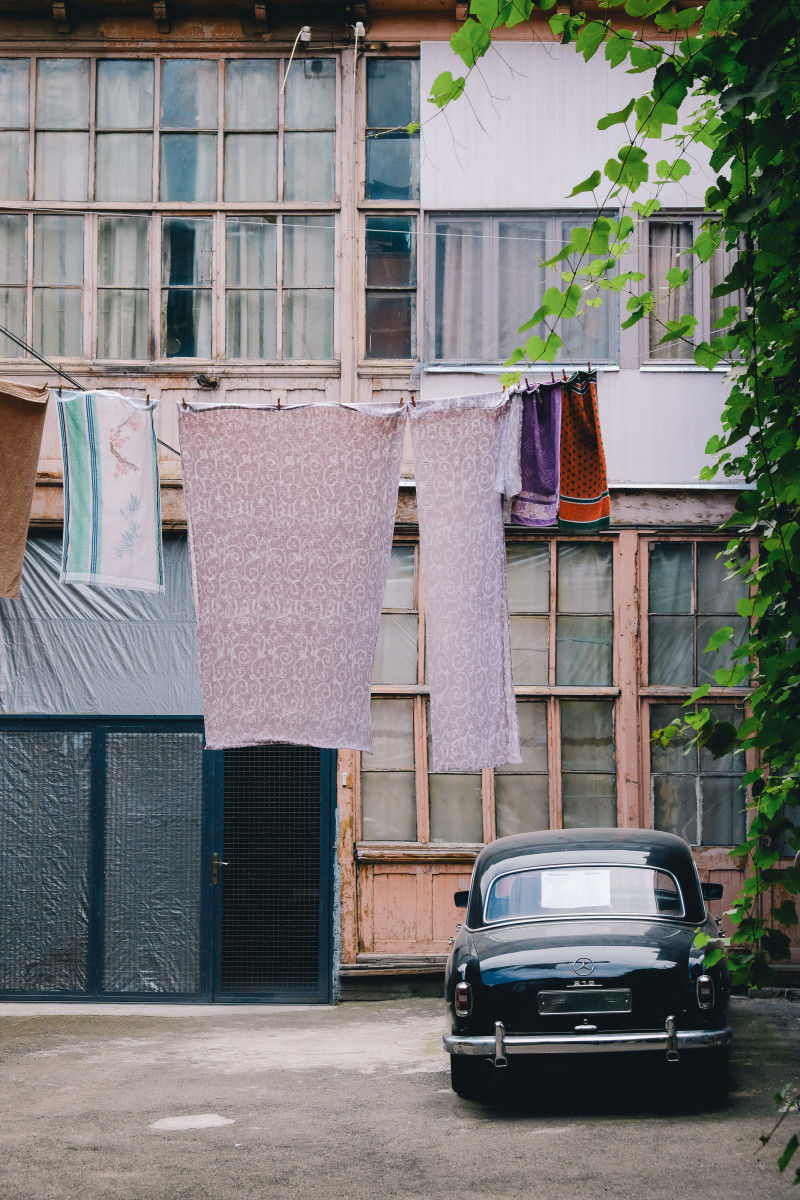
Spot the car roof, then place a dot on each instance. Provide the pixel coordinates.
(641, 847)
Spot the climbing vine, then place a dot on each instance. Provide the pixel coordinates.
(724, 75)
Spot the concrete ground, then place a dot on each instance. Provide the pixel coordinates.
(120, 1102)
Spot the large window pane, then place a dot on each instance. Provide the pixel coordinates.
(588, 800)
(724, 806)
(460, 332)
(392, 736)
(62, 166)
(122, 301)
(308, 166)
(388, 793)
(14, 100)
(13, 255)
(671, 651)
(714, 660)
(12, 315)
(530, 649)
(396, 652)
(186, 310)
(670, 758)
(250, 324)
(587, 735)
(391, 252)
(251, 166)
(58, 250)
(455, 808)
(308, 325)
(251, 94)
(675, 805)
(62, 93)
(124, 94)
(584, 651)
(593, 334)
(188, 166)
(250, 249)
(521, 804)
(13, 165)
(670, 578)
(391, 325)
(392, 166)
(124, 166)
(310, 97)
(716, 592)
(399, 590)
(392, 92)
(188, 94)
(528, 572)
(521, 252)
(669, 246)
(391, 287)
(584, 577)
(58, 321)
(392, 154)
(308, 251)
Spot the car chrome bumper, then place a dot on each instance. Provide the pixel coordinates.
(501, 1044)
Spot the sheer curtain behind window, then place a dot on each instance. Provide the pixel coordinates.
(669, 242)
(459, 291)
(122, 287)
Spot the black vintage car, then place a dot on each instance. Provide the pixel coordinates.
(581, 941)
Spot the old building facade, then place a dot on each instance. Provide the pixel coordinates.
(200, 200)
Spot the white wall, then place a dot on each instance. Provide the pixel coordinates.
(525, 130)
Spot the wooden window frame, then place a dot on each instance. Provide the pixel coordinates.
(156, 209)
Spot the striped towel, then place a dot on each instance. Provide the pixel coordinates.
(112, 508)
(584, 505)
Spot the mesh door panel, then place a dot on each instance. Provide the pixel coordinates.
(271, 892)
(45, 781)
(154, 795)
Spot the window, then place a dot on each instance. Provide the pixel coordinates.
(392, 158)
(487, 279)
(560, 597)
(221, 268)
(668, 248)
(690, 597)
(391, 177)
(591, 891)
(693, 794)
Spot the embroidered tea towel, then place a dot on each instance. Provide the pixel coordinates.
(112, 507)
(458, 463)
(584, 505)
(290, 517)
(537, 501)
(22, 413)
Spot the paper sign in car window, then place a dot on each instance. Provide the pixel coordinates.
(575, 888)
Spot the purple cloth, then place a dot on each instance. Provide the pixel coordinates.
(290, 517)
(458, 463)
(537, 503)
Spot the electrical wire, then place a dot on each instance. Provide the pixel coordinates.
(57, 371)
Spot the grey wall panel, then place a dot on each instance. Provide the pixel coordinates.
(78, 650)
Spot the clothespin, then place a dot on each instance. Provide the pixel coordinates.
(552, 377)
(589, 368)
(147, 400)
(184, 405)
(402, 402)
(563, 374)
(413, 400)
(279, 404)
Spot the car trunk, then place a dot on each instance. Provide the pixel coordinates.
(613, 974)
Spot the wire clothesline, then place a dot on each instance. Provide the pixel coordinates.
(58, 371)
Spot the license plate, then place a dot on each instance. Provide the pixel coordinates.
(589, 1000)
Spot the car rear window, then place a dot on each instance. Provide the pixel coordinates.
(583, 891)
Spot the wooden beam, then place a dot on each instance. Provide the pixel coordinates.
(161, 16)
(60, 16)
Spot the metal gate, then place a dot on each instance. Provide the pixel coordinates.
(111, 840)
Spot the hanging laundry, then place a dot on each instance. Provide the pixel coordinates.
(112, 506)
(536, 504)
(584, 505)
(22, 413)
(458, 463)
(290, 517)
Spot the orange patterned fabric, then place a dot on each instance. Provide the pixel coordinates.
(584, 505)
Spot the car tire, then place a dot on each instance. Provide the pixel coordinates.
(468, 1076)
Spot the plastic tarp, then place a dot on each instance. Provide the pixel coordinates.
(45, 783)
(78, 650)
(152, 862)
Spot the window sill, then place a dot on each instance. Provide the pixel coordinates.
(499, 369)
(687, 367)
(419, 852)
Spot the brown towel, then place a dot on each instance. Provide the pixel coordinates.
(22, 413)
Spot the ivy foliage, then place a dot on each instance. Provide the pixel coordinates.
(724, 75)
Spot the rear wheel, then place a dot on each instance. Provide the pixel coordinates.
(468, 1076)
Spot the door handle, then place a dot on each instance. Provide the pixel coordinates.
(216, 863)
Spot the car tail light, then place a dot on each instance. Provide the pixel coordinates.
(463, 1004)
(705, 991)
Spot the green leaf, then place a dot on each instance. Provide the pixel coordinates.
(674, 171)
(445, 88)
(644, 58)
(534, 348)
(471, 42)
(618, 46)
(704, 356)
(615, 118)
(510, 378)
(786, 913)
(682, 19)
(413, 127)
(590, 38)
(698, 694)
(588, 185)
(719, 638)
(713, 957)
(788, 1153)
(705, 245)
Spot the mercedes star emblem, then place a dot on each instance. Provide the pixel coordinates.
(583, 966)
